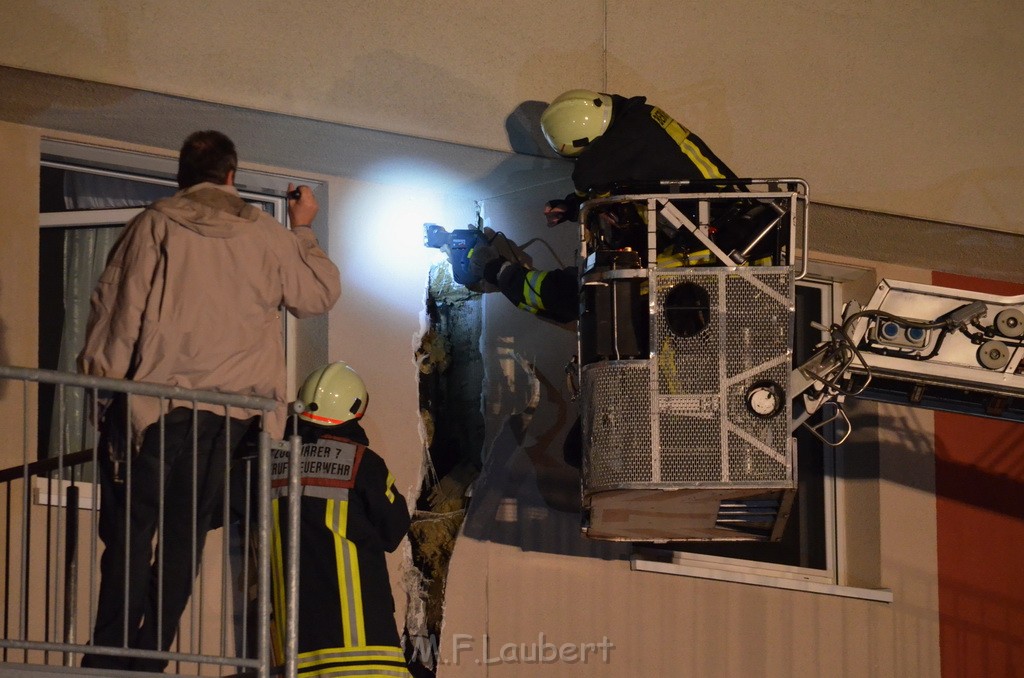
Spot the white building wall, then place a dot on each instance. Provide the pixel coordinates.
(909, 107)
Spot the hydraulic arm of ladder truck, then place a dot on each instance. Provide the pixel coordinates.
(921, 345)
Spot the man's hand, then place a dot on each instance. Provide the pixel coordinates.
(556, 211)
(301, 212)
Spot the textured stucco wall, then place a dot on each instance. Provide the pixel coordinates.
(910, 108)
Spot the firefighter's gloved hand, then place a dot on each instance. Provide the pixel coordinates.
(491, 252)
(558, 211)
(555, 212)
(485, 262)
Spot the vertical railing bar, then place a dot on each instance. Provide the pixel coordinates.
(47, 532)
(225, 561)
(246, 517)
(8, 504)
(263, 557)
(94, 434)
(25, 525)
(56, 508)
(127, 461)
(160, 517)
(71, 570)
(196, 601)
(7, 566)
(292, 581)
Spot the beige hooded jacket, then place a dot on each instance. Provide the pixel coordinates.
(191, 297)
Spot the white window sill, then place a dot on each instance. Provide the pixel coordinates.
(47, 492)
(745, 577)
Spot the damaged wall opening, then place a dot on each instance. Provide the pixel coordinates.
(451, 374)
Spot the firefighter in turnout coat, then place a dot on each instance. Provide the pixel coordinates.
(614, 141)
(351, 514)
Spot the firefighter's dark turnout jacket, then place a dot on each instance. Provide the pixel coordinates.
(351, 514)
(642, 144)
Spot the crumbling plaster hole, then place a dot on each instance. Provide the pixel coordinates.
(451, 375)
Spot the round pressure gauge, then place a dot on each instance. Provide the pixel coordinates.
(765, 399)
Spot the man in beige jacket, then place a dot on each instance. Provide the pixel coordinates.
(191, 297)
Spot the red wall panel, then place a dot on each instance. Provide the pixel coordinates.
(980, 511)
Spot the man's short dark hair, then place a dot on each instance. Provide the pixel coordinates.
(206, 156)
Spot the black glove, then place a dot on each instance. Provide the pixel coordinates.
(486, 262)
(491, 252)
(569, 206)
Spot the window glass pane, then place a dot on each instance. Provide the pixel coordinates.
(63, 190)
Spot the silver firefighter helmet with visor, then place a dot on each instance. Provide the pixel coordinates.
(574, 119)
(332, 395)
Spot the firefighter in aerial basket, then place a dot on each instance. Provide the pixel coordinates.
(351, 514)
(616, 143)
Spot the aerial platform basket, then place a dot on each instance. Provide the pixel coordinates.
(685, 370)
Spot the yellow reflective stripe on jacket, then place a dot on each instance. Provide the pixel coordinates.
(349, 586)
(681, 136)
(531, 289)
(368, 660)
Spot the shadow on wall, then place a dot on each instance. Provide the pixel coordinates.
(535, 164)
(920, 459)
(527, 495)
(523, 128)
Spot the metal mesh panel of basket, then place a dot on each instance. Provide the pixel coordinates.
(731, 330)
(616, 423)
(717, 334)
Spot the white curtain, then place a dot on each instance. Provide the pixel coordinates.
(85, 254)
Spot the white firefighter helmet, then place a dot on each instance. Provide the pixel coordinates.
(332, 395)
(574, 119)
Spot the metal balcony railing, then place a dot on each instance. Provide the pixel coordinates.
(51, 550)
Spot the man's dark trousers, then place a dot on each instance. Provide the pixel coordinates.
(130, 517)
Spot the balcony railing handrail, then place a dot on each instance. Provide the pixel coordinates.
(138, 388)
(43, 466)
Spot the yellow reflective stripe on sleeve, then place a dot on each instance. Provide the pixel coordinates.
(347, 566)
(531, 289)
(681, 136)
(388, 493)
